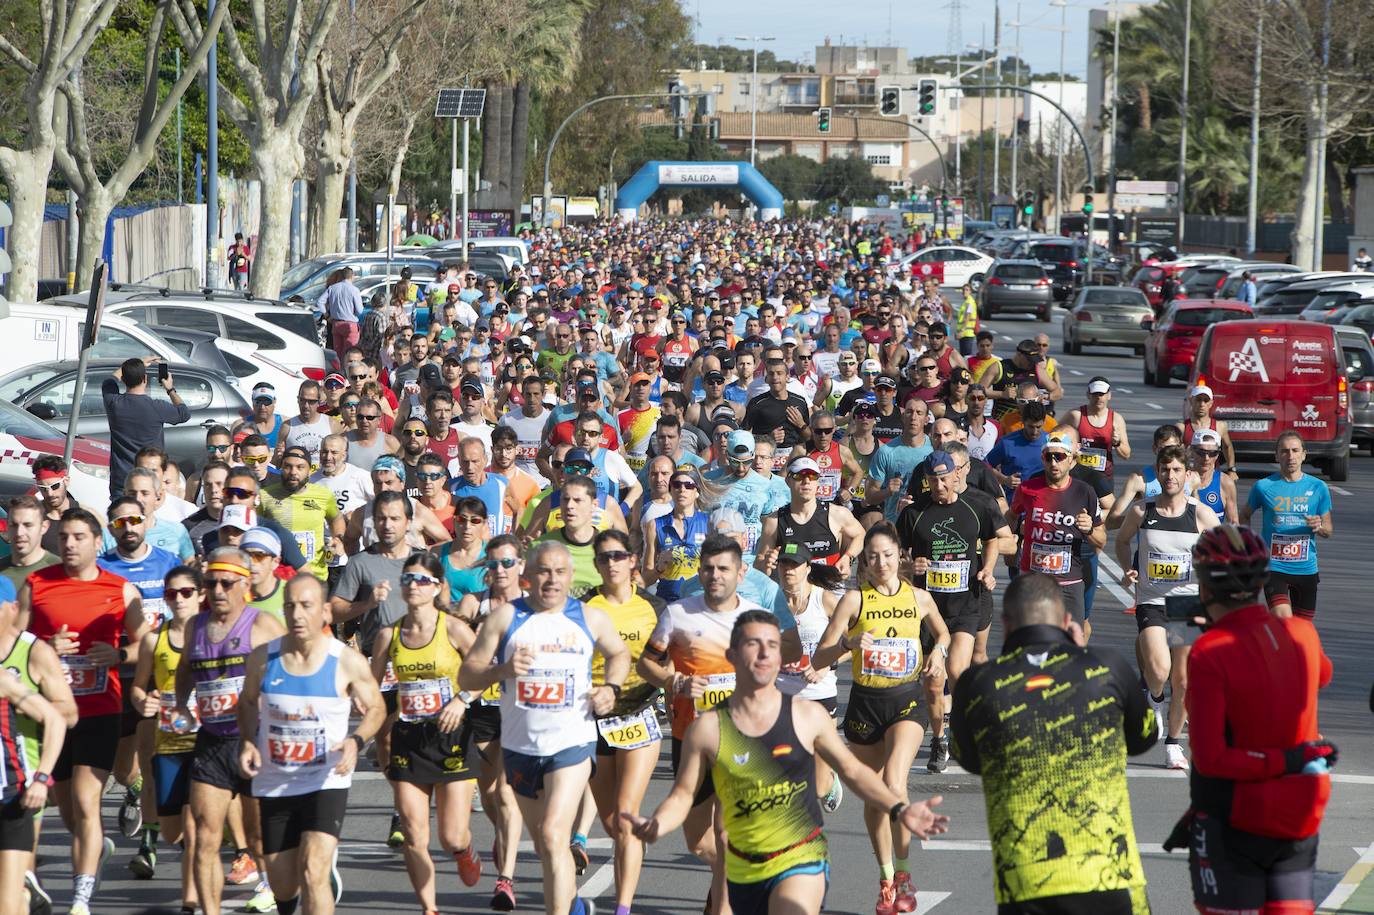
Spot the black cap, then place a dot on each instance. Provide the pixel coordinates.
(713, 378)
(430, 375)
(885, 381)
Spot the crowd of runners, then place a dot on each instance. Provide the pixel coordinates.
(654, 493)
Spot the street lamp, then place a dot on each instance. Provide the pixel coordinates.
(1059, 136)
(754, 93)
(1183, 119)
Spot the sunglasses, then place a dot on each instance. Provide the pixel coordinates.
(238, 492)
(926, 368)
(578, 470)
(430, 476)
(183, 593)
(507, 563)
(824, 430)
(1054, 457)
(259, 555)
(357, 377)
(217, 449)
(806, 476)
(256, 459)
(682, 484)
(349, 405)
(126, 521)
(418, 578)
(1206, 452)
(51, 487)
(227, 584)
(613, 556)
(308, 400)
(470, 519)
(369, 417)
(415, 433)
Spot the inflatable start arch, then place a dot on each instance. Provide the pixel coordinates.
(655, 175)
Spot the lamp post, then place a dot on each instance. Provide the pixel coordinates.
(1252, 201)
(1111, 148)
(1183, 119)
(754, 93)
(1058, 135)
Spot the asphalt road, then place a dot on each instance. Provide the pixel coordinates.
(953, 874)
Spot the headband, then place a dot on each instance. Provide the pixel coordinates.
(225, 566)
(44, 475)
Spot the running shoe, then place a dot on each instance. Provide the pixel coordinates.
(503, 900)
(906, 892)
(396, 838)
(335, 879)
(580, 858)
(79, 908)
(1174, 758)
(939, 754)
(243, 870)
(263, 900)
(107, 850)
(887, 898)
(588, 907)
(1159, 714)
(40, 903)
(143, 864)
(131, 810)
(832, 799)
(469, 866)
(477, 802)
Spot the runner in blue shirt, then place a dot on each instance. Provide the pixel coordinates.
(1016, 457)
(135, 560)
(743, 489)
(1295, 509)
(890, 471)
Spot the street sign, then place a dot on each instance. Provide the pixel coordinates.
(1159, 231)
(1147, 187)
(1146, 201)
(460, 103)
(834, 208)
(714, 173)
(882, 200)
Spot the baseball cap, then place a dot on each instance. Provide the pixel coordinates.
(335, 380)
(472, 386)
(940, 463)
(637, 377)
(740, 444)
(392, 463)
(578, 456)
(483, 324)
(727, 521)
(870, 365)
(296, 451)
(260, 538)
(960, 375)
(1099, 386)
(242, 517)
(1206, 437)
(796, 552)
(1200, 389)
(725, 419)
(264, 391)
(885, 381)
(430, 375)
(1056, 443)
(803, 463)
(866, 408)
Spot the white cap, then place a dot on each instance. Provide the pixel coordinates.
(243, 517)
(803, 463)
(871, 365)
(1200, 389)
(1206, 437)
(1099, 387)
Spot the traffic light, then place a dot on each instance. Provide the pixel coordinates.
(944, 203)
(890, 101)
(1087, 204)
(926, 92)
(823, 120)
(1028, 203)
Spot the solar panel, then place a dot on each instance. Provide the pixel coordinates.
(460, 103)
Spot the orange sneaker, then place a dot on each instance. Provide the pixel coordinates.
(887, 898)
(906, 892)
(469, 866)
(244, 870)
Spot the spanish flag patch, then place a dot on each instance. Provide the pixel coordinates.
(782, 749)
(1039, 681)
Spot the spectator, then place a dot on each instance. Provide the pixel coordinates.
(135, 418)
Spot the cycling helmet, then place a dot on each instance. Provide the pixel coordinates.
(1232, 560)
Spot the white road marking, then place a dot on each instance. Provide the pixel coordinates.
(1004, 337)
(1103, 560)
(1342, 891)
(1344, 492)
(1125, 390)
(927, 900)
(1153, 406)
(600, 881)
(1075, 372)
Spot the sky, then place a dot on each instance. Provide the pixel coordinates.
(798, 26)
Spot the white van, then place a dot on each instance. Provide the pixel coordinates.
(52, 333)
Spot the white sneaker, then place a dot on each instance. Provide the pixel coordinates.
(831, 802)
(1159, 714)
(1174, 758)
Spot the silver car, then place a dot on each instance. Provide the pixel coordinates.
(1016, 285)
(1106, 316)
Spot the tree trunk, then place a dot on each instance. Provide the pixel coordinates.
(276, 157)
(95, 210)
(501, 191)
(26, 175)
(1335, 195)
(1142, 90)
(491, 131)
(402, 149)
(1304, 225)
(331, 178)
(520, 135)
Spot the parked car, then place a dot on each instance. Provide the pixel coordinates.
(957, 265)
(1173, 339)
(1269, 377)
(1223, 280)
(1149, 279)
(240, 361)
(307, 278)
(1358, 352)
(24, 438)
(1361, 316)
(1063, 259)
(47, 391)
(1106, 316)
(509, 246)
(55, 330)
(1016, 285)
(1336, 296)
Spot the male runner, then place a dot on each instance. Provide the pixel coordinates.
(540, 649)
(830, 531)
(297, 748)
(308, 510)
(1295, 509)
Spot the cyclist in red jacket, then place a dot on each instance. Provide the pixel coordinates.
(1259, 780)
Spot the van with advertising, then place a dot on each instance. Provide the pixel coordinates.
(1271, 377)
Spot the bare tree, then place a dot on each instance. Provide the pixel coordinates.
(352, 71)
(69, 27)
(278, 81)
(75, 156)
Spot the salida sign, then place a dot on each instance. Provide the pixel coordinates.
(724, 174)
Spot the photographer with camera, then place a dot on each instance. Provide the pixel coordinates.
(1260, 779)
(136, 419)
(1165, 589)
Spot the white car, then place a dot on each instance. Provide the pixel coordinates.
(953, 265)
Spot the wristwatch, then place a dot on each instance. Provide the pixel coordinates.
(42, 778)
(894, 813)
(466, 697)
(615, 688)
(359, 741)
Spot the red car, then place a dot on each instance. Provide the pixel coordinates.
(1173, 339)
(1149, 277)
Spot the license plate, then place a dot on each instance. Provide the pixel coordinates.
(1248, 425)
(1119, 319)
(1019, 286)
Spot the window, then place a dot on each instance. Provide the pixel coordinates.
(878, 159)
(1357, 364)
(14, 389)
(196, 392)
(302, 324)
(241, 368)
(59, 396)
(238, 329)
(139, 313)
(115, 344)
(189, 319)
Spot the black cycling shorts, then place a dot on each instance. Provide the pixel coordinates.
(285, 818)
(17, 826)
(1107, 902)
(1148, 615)
(91, 742)
(1301, 591)
(483, 723)
(1240, 871)
(872, 711)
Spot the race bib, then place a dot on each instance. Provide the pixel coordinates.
(526, 454)
(718, 689)
(780, 460)
(84, 676)
(217, 701)
(167, 713)
(306, 541)
(1167, 568)
(1290, 547)
(154, 611)
(491, 695)
(421, 699)
(636, 461)
(893, 659)
(630, 732)
(544, 690)
(1050, 558)
(948, 576)
(389, 678)
(295, 746)
(795, 670)
(829, 485)
(1093, 458)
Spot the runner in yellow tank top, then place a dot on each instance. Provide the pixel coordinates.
(430, 740)
(881, 625)
(154, 693)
